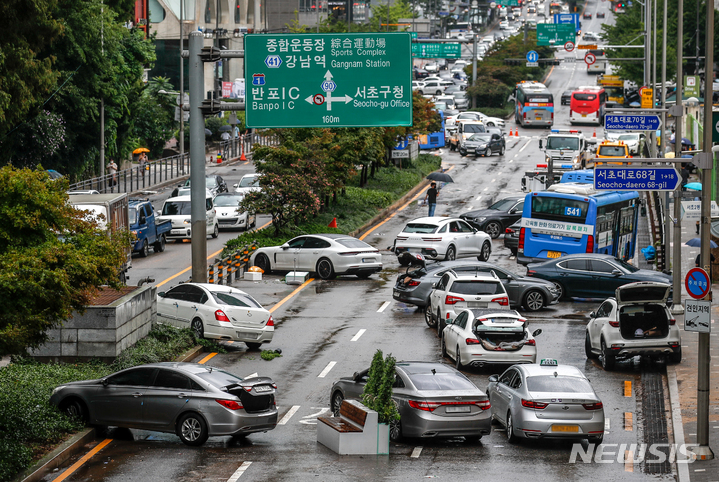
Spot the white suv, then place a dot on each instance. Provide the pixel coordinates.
(456, 292)
(442, 238)
(636, 322)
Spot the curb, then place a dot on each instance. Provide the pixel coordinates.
(190, 354)
(51, 461)
(676, 419)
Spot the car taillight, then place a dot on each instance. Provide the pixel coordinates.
(520, 246)
(570, 112)
(524, 114)
(533, 404)
(531, 272)
(552, 115)
(615, 324)
(672, 321)
(450, 300)
(221, 316)
(483, 404)
(422, 405)
(503, 301)
(270, 322)
(402, 238)
(349, 253)
(471, 341)
(432, 240)
(508, 231)
(530, 343)
(590, 243)
(231, 404)
(413, 283)
(593, 406)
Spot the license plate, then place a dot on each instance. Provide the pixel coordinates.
(368, 260)
(584, 115)
(397, 293)
(459, 409)
(538, 118)
(565, 428)
(472, 304)
(263, 388)
(554, 254)
(178, 231)
(251, 336)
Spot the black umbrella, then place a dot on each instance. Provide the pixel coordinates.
(440, 177)
(208, 132)
(225, 128)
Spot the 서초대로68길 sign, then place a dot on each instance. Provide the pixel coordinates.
(328, 80)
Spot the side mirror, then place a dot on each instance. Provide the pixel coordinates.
(104, 382)
(356, 377)
(592, 315)
(285, 246)
(537, 332)
(434, 285)
(540, 144)
(161, 294)
(494, 378)
(616, 272)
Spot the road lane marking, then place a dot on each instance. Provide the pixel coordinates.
(525, 146)
(312, 418)
(238, 473)
(629, 461)
(206, 359)
(416, 452)
(628, 421)
(511, 160)
(252, 375)
(478, 197)
(383, 307)
(288, 415)
(493, 180)
(606, 425)
(485, 188)
(516, 156)
(297, 290)
(327, 369)
(359, 333)
(84, 459)
(627, 388)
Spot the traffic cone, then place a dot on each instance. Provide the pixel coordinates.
(333, 224)
(516, 132)
(510, 133)
(595, 133)
(242, 157)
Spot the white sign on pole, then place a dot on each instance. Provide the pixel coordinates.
(403, 154)
(692, 210)
(697, 316)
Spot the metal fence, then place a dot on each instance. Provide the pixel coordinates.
(222, 270)
(160, 171)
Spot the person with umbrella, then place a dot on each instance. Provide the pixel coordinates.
(430, 197)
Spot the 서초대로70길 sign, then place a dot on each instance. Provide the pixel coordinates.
(328, 80)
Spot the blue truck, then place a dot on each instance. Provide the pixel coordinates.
(146, 229)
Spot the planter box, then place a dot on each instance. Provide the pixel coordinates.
(383, 439)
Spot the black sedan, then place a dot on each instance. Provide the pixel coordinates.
(482, 144)
(420, 74)
(511, 237)
(415, 286)
(600, 14)
(567, 96)
(497, 217)
(591, 275)
(587, 16)
(213, 183)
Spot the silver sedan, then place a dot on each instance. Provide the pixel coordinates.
(194, 401)
(546, 400)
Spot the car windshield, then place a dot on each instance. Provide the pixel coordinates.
(420, 228)
(175, 208)
(223, 201)
(628, 137)
(480, 137)
(559, 384)
(234, 299)
(477, 287)
(625, 265)
(250, 182)
(353, 243)
(441, 381)
(503, 205)
(474, 128)
(210, 182)
(440, 106)
(558, 142)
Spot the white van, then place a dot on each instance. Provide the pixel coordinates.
(179, 211)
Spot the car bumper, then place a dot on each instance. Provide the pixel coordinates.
(231, 223)
(180, 233)
(241, 422)
(476, 356)
(432, 252)
(261, 334)
(421, 424)
(532, 427)
(656, 349)
(411, 297)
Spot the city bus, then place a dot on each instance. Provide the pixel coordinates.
(555, 7)
(586, 106)
(534, 105)
(571, 218)
(614, 87)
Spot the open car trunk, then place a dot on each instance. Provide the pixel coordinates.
(502, 340)
(642, 321)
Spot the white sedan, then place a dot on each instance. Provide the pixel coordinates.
(216, 311)
(229, 215)
(442, 238)
(328, 255)
(248, 183)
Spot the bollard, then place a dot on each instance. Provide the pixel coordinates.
(211, 275)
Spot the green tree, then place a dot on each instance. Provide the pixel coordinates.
(52, 259)
(377, 393)
(156, 125)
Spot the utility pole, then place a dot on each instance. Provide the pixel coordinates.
(474, 65)
(677, 307)
(182, 88)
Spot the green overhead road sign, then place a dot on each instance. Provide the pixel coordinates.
(328, 80)
(436, 51)
(508, 3)
(555, 33)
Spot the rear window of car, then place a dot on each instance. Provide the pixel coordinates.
(585, 96)
(420, 228)
(353, 243)
(471, 287)
(612, 151)
(234, 299)
(174, 208)
(219, 378)
(474, 128)
(559, 384)
(441, 381)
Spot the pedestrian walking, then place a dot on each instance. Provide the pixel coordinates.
(685, 176)
(430, 198)
(143, 164)
(112, 170)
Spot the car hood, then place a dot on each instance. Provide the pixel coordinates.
(228, 211)
(82, 383)
(650, 275)
(469, 143)
(479, 213)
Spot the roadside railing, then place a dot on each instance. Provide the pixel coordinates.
(222, 270)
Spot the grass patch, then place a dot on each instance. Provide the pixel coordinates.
(269, 355)
(30, 426)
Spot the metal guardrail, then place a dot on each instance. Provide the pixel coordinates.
(222, 270)
(168, 168)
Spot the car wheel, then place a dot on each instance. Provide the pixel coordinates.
(253, 346)
(420, 92)
(458, 360)
(560, 288)
(216, 232)
(337, 400)
(263, 262)
(588, 348)
(395, 430)
(159, 246)
(324, 269)
(451, 254)
(145, 251)
(533, 300)
(493, 229)
(444, 347)
(197, 328)
(439, 324)
(75, 408)
(462, 152)
(486, 251)
(439, 92)
(491, 124)
(607, 359)
(514, 251)
(501, 151)
(428, 316)
(192, 430)
(511, 437)
(676, 357)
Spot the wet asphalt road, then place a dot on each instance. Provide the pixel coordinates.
(316, 329)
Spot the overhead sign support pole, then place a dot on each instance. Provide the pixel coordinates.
(677, 239)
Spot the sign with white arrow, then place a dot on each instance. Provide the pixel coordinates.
(328, 80)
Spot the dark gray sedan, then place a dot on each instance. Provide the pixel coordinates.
(482, 144)
(415, 286)
(194, 401)
(434, 400)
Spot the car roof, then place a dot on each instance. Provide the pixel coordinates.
(186, 198)
(480, 312)
(329, 235)
(415, 367)
(435, 220)
(214, 287)
(535, 369)
(476, 276)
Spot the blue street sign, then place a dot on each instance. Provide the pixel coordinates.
(697, 283)
(621, 178)
(572, 18)
(622, 122)
(532, 56)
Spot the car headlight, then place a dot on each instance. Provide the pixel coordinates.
(483, 146)
(480, 219)
(187, 221)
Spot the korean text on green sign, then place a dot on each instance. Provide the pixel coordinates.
(437, 51)
(555, 33)
(328, 80)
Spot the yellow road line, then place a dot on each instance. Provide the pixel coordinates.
(207, 358)
(627, 388)
(84, 459)
(299, 288)
(628, 421)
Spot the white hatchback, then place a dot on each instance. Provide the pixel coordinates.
(216, 311)
(443, 238)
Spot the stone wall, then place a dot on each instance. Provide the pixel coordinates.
(104, 330)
